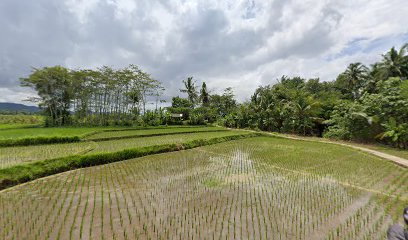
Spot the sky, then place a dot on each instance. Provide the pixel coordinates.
(241, 44)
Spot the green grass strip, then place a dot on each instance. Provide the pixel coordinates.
(30, 171)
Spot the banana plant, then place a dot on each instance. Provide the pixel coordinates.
(396, 133)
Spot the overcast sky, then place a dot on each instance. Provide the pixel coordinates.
(237, 43)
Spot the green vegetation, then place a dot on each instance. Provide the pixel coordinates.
(116, 145)
(13, 126)
(48, 132)
(98, 97)
(212, 182)
(126, 167)
(258, 188)
(38, 141)
(10, 156)
(37, 136)
(148, 132)
(20, 173)
(21, 119)
(403, 153)
(364, 104)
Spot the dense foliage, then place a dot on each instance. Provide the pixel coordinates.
(363, 103)
(93, 97)
(20, 173)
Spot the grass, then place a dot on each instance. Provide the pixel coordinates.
(257, 188)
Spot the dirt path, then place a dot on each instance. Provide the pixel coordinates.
(398, 160)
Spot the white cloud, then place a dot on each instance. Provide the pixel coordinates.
(242, 43)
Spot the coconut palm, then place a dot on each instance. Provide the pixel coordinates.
(355, 76)
(395, 63)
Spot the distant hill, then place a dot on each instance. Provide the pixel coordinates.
(17, 107)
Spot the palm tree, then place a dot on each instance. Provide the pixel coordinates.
(304, 111)
(395, 63)
(190, 89)
(355, 75)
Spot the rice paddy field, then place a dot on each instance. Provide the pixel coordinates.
(146, 132)
(10, 156)
(87, 132)
(46, 132)
(254, 188)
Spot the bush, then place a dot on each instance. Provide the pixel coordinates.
(337, 133)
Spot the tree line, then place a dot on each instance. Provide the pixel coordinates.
(105, 96)
(364, 103)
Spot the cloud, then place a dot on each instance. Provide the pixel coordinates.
(243, 44)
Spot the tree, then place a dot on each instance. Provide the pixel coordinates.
(180, 105)
(54, 88)
(104, 96)
(225, 103)
(229, 99)
(178, 102)
(395, 63)
(304, 111)
(204, 95)
(190, 89)
(355, 76)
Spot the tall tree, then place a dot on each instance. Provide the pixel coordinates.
(204, 95)
(54, 88)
